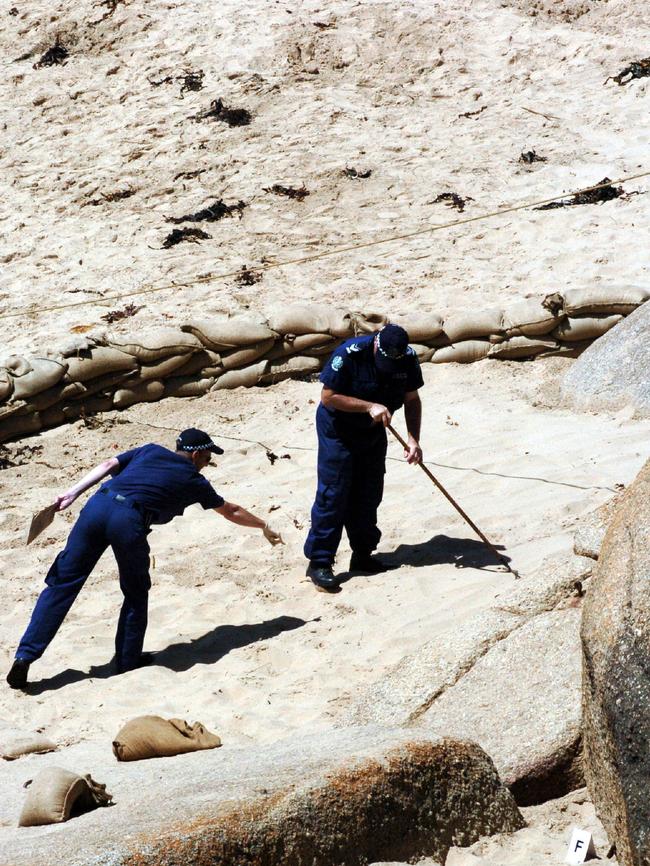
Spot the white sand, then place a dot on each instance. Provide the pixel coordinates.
(245, 643)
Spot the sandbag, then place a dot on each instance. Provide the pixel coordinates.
(228, 333)
(54, 416)
(188, 386)
(100, 362)
(6, 385)
(163, 368)
(76, 345)
(58, 394)
(529, 318)
(148, 349)
(105, 384)
(290, 368)
(204, 359)
(247, 356)
(145, 392)
(13, 745)
(585, 328)
(153, 737)
(462, 353)
(300, 319)
(299, 345)
(245, 378)
(420, 327)
(423, 353)
(17, 365)
(522, 347)
(469, 326)
(91, 405)
(44, 374)
(56, 795)
(326, 349)
(19, 425)
(368, 323)
(585, 302)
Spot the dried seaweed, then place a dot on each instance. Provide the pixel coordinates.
(111, 6)
(354, 172)
(452, 199)
(289, 191)
(606, 192)
(247, 277)
(54, 56)
(473, 113)
(188, 175)
(193, 236)
(118, 195)
(191, 81)
(13, 11)
(529, 156)
(17, 455)
(231, 116)
(115, 315)
(212, 213)
(636, 69)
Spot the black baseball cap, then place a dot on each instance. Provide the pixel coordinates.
(392, 348)
(196, 440)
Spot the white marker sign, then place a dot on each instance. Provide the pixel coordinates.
(581, 847)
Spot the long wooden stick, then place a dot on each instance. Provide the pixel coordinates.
(457, 506)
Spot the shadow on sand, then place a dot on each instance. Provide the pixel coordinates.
(207, 649)
(440, 550)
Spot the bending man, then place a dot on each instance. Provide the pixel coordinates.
(365, 381)
(150, 485)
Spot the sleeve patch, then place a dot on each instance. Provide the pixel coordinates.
(337, 363)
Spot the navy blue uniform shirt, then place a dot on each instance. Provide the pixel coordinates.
(351, 371)
(162, 481)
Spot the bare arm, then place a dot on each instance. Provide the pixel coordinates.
(413, 417)
(237, 514)
(106, 467)
(333, 400)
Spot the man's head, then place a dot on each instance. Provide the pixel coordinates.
(391, 347)
(197, 446)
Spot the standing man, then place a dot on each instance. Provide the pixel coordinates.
(365, 382)
(150, 485)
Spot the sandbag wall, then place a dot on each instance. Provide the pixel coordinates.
(98, 374)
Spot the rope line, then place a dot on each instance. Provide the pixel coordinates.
(267, 266)
(394, 459)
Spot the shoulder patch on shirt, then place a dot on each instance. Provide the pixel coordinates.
(355, 347)
(410, 351)
(337, 363)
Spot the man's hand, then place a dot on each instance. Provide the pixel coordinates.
(413, 453)
(63, 500)
(271, 535)
(379, 414)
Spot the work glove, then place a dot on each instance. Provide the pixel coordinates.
(271, 535)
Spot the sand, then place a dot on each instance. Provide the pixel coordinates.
(242, 640)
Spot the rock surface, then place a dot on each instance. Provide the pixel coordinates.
(404, 694)
(521, 703)
(616, 679)
(613, 372)
(591, 530)
(352, 797)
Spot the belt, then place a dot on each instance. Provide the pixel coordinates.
(130, 503)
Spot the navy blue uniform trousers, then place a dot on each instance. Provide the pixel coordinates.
(351, 467)
(103, 521)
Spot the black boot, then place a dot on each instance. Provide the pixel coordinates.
(17, 676)
(322, 577)
(364, 563)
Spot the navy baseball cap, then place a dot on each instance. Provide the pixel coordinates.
(196, 440)
(392, 347)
